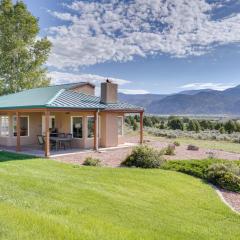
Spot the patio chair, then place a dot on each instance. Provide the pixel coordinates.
(61, 135)
(41, 141)
(69, 136)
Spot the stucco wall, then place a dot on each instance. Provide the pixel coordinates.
(87, 89)
(108, 129)
(34, 130)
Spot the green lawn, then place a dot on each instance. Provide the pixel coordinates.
(43, 199)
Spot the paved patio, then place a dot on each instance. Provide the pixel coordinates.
(37, 151)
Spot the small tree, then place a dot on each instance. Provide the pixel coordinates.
(194, 125)
(135, 125)
(147, 121)
(230, 126)
(222, 130)
(175, 123)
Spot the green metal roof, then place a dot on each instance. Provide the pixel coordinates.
(59, 96)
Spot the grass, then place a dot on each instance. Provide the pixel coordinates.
(43, 199)
(208, 144)
(212, 144)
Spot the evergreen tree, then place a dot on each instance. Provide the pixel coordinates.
(230, 126)
(175, 123)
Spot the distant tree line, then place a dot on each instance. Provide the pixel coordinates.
(183, 123)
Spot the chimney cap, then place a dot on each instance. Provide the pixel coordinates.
(108, 81)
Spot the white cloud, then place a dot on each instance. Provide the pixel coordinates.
(209, 85)
(116, 30)
(133, 91)
(65, 77)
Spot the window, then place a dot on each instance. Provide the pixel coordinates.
(24, 126)
(4, 126)
(120, 126)
(90, 121)
(77, 127)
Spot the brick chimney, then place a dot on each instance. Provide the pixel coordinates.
(109, 92)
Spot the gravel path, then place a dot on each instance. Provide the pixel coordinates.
(232, 198)
(114, 157)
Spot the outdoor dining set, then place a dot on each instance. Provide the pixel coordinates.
(57, 140)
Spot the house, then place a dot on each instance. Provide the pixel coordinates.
(92, 121)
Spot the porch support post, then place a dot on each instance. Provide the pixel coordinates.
(141, 127)
(47, 138)
(18, 146)
(96, 144)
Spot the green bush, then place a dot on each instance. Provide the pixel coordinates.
(176, 143)
(89, 161)
(144, 157)
(225, 176)
(223, 173)
(170, 150)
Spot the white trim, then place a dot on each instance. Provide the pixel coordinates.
(27, 116)
(87, 127)
(120, 135)
(4, 136)
(50, 122)
(71, 126)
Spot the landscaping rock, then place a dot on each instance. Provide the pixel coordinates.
(192, 148)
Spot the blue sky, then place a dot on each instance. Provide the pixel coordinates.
(151, 46)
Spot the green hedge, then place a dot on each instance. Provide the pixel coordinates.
(222, 173)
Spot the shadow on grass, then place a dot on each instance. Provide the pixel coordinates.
(9, 156)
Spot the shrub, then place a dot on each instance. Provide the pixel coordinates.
(89, 161)
(192, 147)
(225, 176)
(176, 143)
(144, 157)
(195, 168)
(223, 173)
(175, 123)
(230, 126)
(211, 155)
(170, 150)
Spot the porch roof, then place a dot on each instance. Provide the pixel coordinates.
(59, 96)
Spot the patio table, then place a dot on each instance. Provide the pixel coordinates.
(60, 140)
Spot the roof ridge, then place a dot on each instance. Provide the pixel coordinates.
(55, 97)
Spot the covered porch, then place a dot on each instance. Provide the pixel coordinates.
(89, 130)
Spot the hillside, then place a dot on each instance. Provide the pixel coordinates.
(193, 102)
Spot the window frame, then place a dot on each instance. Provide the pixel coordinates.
(4, 136)
(120, 135)
(71, 127)
(26, 116)
(93, 126)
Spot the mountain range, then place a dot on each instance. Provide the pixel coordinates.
(196, 102)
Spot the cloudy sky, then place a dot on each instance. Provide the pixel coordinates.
(155, 46)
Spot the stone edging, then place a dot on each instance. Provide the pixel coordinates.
(224, 200)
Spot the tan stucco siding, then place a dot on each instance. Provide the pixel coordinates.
(34, 130)
(63, 124)
(87, 89)
(108, 129)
